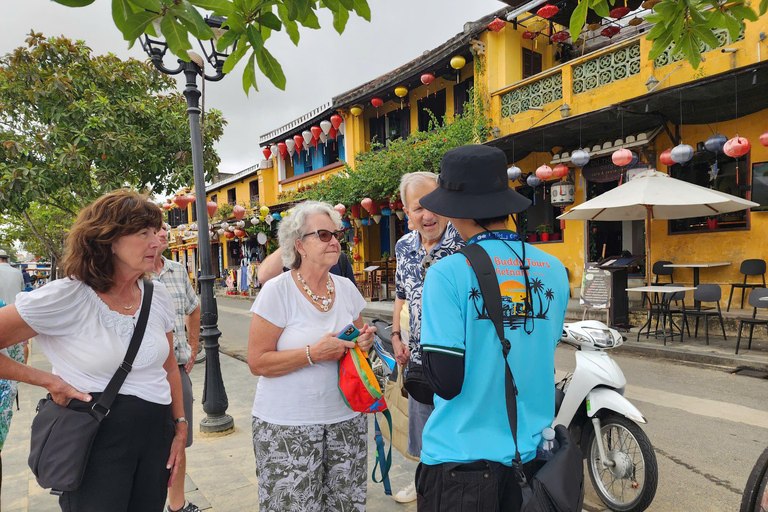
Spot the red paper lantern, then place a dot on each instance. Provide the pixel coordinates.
(610, 31)
(182, 201)
(333, 133)
(356, 239)
(212, 207)
(356, 211)
(283, 149)
(167, 206)
(240, 233)
(764, 138)
(377, 102)
(267, 153)
(299, 140)
(736, 147)
(528, 34)
(559, 37)
(622, 157)
(560, 170)
(316, 131)
(229, 234)
(336, 121)
(497, 24)
(666, 157)
(341, 209)
(427, 78)
(619, 12)
(357, 257)
(547, 11)
(238, 211)
(544, 172)
(367, 204)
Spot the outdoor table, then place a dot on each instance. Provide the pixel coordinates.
(656, 289)
(696, 267)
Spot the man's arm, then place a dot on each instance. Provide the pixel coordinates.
(272, 266)
(402, 353)
(192, 321)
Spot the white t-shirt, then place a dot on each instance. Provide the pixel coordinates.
(310, 395)
(85, 341)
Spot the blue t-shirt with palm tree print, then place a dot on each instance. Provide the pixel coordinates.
(474, 425)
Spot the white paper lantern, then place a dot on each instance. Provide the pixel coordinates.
(681, 153)
(514, 173)
(255, 220)
(225, 224)
(580, 158)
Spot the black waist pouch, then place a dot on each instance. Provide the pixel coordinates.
(417, 386)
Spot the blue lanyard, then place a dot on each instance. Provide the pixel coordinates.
(494, 235)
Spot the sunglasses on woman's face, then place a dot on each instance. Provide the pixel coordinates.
(325, 236)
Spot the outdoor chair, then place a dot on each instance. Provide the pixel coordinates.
(748, 268)
(756, 303)
(658, 270)
(705, 293)
(668, 312)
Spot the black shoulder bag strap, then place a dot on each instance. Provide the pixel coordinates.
(489, 288)
(101, 408)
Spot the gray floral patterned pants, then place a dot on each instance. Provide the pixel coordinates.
(312, 468)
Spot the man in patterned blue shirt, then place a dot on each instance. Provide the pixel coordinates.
(432, 238)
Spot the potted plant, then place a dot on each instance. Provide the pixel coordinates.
(544, 231)
(531, 238)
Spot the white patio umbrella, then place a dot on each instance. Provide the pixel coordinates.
(654, 195)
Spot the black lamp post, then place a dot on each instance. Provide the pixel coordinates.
(215, 401)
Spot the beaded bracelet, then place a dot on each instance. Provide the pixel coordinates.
(311, 363)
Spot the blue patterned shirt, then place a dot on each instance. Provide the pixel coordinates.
(412, 265)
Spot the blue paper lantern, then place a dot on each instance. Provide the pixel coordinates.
(514, 173)
(681, 153)
(533, 180)
(715, 143)
(346, 224)
(386, 211)
(580, 158)
(634, 161)
(277, 216)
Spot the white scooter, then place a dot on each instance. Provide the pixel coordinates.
(621, 461)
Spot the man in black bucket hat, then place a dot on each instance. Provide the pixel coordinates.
(468, 448)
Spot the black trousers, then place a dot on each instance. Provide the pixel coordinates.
(480, 486)
(126, 467)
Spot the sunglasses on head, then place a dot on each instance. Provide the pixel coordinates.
(325, 236)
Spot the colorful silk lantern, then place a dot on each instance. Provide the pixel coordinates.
(619, 12)
(340, 208)
(621, 157)
(316, 131)
(547, 11)
(355, 110)
(666, 157)
(544, 172)
(277, 216)
(367, 203)
(528, 34)
(290, 145)
(299, 142)
(264, 211)
(681, 153)
(401, 92)
(283, 149)
(635, 21)
(558, 171)
(239, 233)
(514, 173)
(333, 133)
(267, 153)
(377, 102)
(533, 181)
(238, 211)
(274, 150)
(715, 143)
(307, 136)
(167, 206)
(764, 138)
(356, 211)
(457, 63)
(229, 235)
(212, 207)
(496, 25)
(427, 79)
(254, 220)
(182, 201)
(325, 126)
(560, 37)
(609, 32)
(736, 147)
(336, 120)
(580, 158)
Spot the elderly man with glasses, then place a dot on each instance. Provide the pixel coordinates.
(432, 238)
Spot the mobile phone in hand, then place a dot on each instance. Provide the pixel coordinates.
(349, 333)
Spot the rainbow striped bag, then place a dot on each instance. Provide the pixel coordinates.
(358, 384)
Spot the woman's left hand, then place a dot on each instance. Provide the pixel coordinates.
(177, 451)
(365, 339)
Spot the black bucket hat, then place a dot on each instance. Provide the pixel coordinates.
(473, 185)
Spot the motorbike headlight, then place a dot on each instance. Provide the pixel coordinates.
(601, 337)
(580, 338)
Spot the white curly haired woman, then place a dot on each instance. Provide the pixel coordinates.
(310, 447)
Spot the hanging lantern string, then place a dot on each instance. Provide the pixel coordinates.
(681, 117)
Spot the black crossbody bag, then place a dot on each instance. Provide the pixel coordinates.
(62, 437)
(558, 484)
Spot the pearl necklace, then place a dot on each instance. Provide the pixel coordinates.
(323, 301)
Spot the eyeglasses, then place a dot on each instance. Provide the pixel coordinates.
(325, 236)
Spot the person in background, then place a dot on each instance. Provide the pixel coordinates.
(432, 238)
(469, 433)
(186, 341)
(26, 276)
(11, 284)
(83, 323)
(310, 447)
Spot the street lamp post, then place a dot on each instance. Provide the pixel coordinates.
(215, 401)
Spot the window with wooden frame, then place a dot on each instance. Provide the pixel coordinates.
(531, 63)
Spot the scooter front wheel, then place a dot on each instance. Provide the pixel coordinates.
(629, 483)
(755, 497)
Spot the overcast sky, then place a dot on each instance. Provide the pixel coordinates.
(323, 65)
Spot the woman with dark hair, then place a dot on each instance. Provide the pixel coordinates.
(83, 323)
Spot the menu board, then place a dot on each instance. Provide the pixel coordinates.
(595, 287)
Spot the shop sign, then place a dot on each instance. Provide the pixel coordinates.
(601, 170)
(595, 287)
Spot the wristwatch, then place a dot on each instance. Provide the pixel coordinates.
(179, 420)
(398, 334)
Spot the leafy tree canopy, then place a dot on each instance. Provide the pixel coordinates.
(74, 125)
(249, 22)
